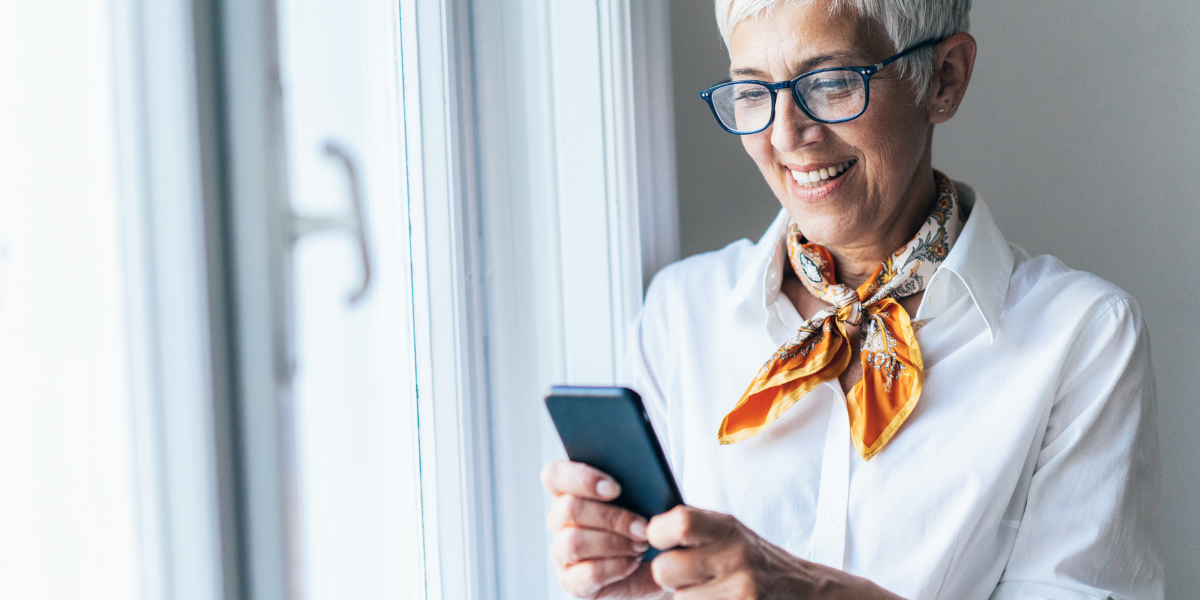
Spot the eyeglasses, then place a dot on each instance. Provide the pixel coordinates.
(833, 95)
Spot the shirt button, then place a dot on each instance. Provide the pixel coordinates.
(933, 296)
(831, 515)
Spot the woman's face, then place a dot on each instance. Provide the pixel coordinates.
(887, 147)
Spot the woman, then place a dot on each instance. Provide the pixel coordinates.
(939, 414)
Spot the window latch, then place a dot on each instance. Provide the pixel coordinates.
(351, 221)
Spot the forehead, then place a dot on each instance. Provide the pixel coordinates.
(781, 40)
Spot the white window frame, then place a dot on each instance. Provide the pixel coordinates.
(541, 164)
(446, 303)
(577, 206)
(170, 315)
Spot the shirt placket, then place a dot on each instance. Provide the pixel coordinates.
(829, 530)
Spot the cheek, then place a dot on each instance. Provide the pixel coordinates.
(892, 140)
(759, 147)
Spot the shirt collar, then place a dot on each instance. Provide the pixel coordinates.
(980, 259)
(758, 267)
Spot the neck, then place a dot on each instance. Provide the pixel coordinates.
(857, 262)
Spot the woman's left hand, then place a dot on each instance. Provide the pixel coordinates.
(716, 556)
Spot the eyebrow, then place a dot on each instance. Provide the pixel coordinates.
(805, 66)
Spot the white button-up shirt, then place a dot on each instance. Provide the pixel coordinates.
(1029, 468)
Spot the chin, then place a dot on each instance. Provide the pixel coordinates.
(829, 223)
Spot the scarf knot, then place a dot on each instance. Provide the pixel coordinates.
(850, 312)
(893, 372)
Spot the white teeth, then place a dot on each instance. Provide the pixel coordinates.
(814, 179)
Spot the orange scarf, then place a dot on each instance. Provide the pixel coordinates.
(820, 351)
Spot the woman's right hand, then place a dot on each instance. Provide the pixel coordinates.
(597, 546)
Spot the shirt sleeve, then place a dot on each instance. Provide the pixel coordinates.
(1091, 527)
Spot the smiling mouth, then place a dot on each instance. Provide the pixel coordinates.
(820, 177)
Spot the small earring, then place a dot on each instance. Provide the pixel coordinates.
(941, 111)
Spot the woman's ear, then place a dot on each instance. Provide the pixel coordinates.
(953, 61)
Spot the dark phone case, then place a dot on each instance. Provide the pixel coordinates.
(607, 428)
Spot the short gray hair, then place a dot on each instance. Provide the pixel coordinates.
(906, 22)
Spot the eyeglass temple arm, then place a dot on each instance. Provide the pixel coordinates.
(895, 57)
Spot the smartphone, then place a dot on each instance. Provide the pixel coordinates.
(608, 428)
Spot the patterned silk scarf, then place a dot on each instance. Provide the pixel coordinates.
(820, 351)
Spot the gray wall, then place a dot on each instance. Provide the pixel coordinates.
(1082, 131)
(722, 197)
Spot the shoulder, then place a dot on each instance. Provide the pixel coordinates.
(680, 299)
(1042, 296)
(699, 283)
(1045, 294)
(1045, 280)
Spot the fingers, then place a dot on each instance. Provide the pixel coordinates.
(573, 545)
(737, 585)
(708, 548)
(689, 527)
(597, 547)
(686, 568)
(678, 569)
(578, 479)
(586, 579)
(638, 585)
(572, 511)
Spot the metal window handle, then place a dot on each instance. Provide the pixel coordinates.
(351, 221)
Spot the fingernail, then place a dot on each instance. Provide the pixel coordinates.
(641, 547)
(638, 530)
(608, 489)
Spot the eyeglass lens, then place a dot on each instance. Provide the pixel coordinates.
(829, 96)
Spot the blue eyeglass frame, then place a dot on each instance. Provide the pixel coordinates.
(865, 72)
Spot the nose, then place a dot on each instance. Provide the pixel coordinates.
(792, 128)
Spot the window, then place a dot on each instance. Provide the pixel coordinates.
(323, 285)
